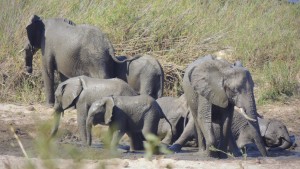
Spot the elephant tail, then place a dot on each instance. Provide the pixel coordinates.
(112, 54)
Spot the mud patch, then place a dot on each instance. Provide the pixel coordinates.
(26, 119)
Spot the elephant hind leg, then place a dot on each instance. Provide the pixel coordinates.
(116, 137)
(151, 121)
(169, 137)
(136, 141)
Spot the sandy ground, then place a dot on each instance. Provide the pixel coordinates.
(28, 119)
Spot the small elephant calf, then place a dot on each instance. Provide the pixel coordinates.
(136, 116)
(274, 133)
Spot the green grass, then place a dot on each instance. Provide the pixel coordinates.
(264, 34)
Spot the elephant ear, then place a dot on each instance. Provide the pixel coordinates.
(71, 90)
(35, 31)
(207, 80)
(109, 106)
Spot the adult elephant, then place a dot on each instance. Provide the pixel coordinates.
(80, 92)
(212, 88)
(145, 75)
(70, 49)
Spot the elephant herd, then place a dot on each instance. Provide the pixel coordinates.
(217, 108)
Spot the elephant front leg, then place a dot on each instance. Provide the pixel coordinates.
(186, 134)
(48, 75)
(168, 138)
(206, 134)
(226, 120)
(82, 111)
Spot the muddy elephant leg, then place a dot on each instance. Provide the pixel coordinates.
(188, 132)
(226, 126)
(151, 121)
(116, 137)
(136, 141)
(233, 146)
(168, 138)
(82, 111)
(48, 76)
(208, 135)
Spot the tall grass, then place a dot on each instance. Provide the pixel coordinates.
(264, 34)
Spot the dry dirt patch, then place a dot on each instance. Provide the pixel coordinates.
(24, 118)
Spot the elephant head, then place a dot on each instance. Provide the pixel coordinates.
(67, 93)
(275, 134)
(100, 111)
(35, 32)
(225, 85)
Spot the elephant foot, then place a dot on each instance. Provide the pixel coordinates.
(123, 147)
(207, 154)
(176, 148)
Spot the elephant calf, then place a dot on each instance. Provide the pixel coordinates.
(81, 92)
(136, 116)
(144, 74)
(273, 132)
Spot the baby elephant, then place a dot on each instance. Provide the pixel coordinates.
(273, 132)
(136, 116)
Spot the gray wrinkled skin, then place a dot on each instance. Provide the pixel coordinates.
(213, 87)
(81, 92)
(177, 112)
(145, 75)
(274, 133)
(71, 50)
(136, 116)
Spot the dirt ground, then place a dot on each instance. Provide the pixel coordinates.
(28, 119)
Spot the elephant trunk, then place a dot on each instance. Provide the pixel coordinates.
(29, 52)
(57, 115)
(287, 143)
(254, 126)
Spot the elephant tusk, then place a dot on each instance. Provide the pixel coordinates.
(21, 50)
(242, 112)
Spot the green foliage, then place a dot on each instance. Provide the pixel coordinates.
(212, 148)
(279, 78)
(153, 146)
(263, 34)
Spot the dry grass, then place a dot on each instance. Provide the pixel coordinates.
(263, 34)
